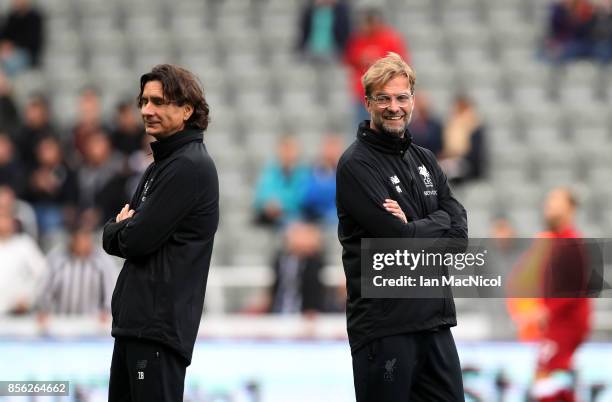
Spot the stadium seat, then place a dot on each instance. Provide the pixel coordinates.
(479, 223)
(56, 8)
(528, 221)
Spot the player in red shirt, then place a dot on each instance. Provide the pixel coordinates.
(565, 322)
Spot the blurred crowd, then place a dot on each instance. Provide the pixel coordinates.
(579, 29)
(59, 185)
(81, 176)
(57, 190)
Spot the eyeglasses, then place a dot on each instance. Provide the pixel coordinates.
(384, 100)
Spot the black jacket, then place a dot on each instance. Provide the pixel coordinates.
(368, 173)
(25, 30)
(167, 245)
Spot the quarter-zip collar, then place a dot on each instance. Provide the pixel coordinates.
(383, 142)
(165, 147)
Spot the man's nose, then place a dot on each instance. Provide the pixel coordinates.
(394, 105)
(146, 110)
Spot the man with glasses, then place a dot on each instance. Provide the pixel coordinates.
(388, 187)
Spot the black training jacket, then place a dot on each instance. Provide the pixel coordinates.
(167, 245)
(370, 171)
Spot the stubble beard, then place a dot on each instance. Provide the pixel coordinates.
(392, 131)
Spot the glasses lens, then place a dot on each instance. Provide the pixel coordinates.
(403, 100)
(384, 101)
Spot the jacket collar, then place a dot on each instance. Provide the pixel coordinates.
(383, 142)
(165, 147)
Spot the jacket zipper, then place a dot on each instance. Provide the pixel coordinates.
(414, 185)
(147, 184)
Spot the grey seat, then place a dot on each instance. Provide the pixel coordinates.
(63, 108)
(26, 83)
(542, 114)
(189, 25)
(261, 146)
(55, 8)
(479, 221)
(526, 220)
(262, 117)
(504, 138)
(422, 35)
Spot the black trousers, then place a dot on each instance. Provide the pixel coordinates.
(145, 371)
(411, 367)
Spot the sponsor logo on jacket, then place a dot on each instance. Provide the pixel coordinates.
(396, 181)
(426, 176)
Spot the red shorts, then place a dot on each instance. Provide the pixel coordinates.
(556, 352)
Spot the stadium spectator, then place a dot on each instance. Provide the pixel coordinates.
(324, 29)
(602, 31)
(89, 120)
(9, 117)
(279, 192)
(80, 279)
(51, 187)
(21, 37)
(128, 133)
(463, 154)
(21, 210)
(23, 267)
(372, 40)
(101, 180)
(297, 285)
(569, 32)
(320, 191)
(426, 129)
(36, 126)
(11, 169)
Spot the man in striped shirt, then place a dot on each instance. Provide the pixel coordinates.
(81, 278)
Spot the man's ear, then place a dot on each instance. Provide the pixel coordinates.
(367, 103)
(187, 111)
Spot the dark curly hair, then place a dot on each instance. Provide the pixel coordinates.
(180, 86)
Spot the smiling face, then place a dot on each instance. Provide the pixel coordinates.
(392, 119)
(161, 118)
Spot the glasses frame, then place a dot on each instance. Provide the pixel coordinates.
(386, 104)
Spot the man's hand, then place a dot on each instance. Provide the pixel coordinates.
(393, 207)
(125, 213)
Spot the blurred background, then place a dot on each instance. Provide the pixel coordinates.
(513, 96)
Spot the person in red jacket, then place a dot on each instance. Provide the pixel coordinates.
(565, 321)
(373, 40)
